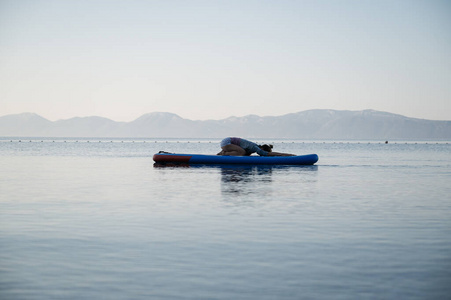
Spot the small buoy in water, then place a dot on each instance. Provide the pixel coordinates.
(386, 142)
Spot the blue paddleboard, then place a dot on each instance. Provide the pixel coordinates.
(308, 159)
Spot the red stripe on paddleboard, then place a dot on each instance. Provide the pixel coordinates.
(171, 158)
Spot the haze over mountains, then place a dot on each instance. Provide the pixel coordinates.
(310, 124)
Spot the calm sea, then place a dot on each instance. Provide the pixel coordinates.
(95, 219)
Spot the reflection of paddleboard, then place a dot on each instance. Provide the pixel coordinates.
(308, 159)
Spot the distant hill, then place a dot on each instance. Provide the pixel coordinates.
(310, 124)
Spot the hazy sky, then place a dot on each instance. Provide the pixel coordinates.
(214, 59)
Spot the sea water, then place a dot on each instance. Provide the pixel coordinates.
(95, 219)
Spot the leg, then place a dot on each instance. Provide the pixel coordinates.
(232, 150)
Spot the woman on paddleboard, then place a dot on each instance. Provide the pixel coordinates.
(235, 146)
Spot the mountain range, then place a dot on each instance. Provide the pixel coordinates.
(310, 124)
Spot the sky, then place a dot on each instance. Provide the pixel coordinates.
(215, 59)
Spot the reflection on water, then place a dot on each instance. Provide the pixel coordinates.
(245, 173)
(248, 179)
(242, 180)
(256, 185)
